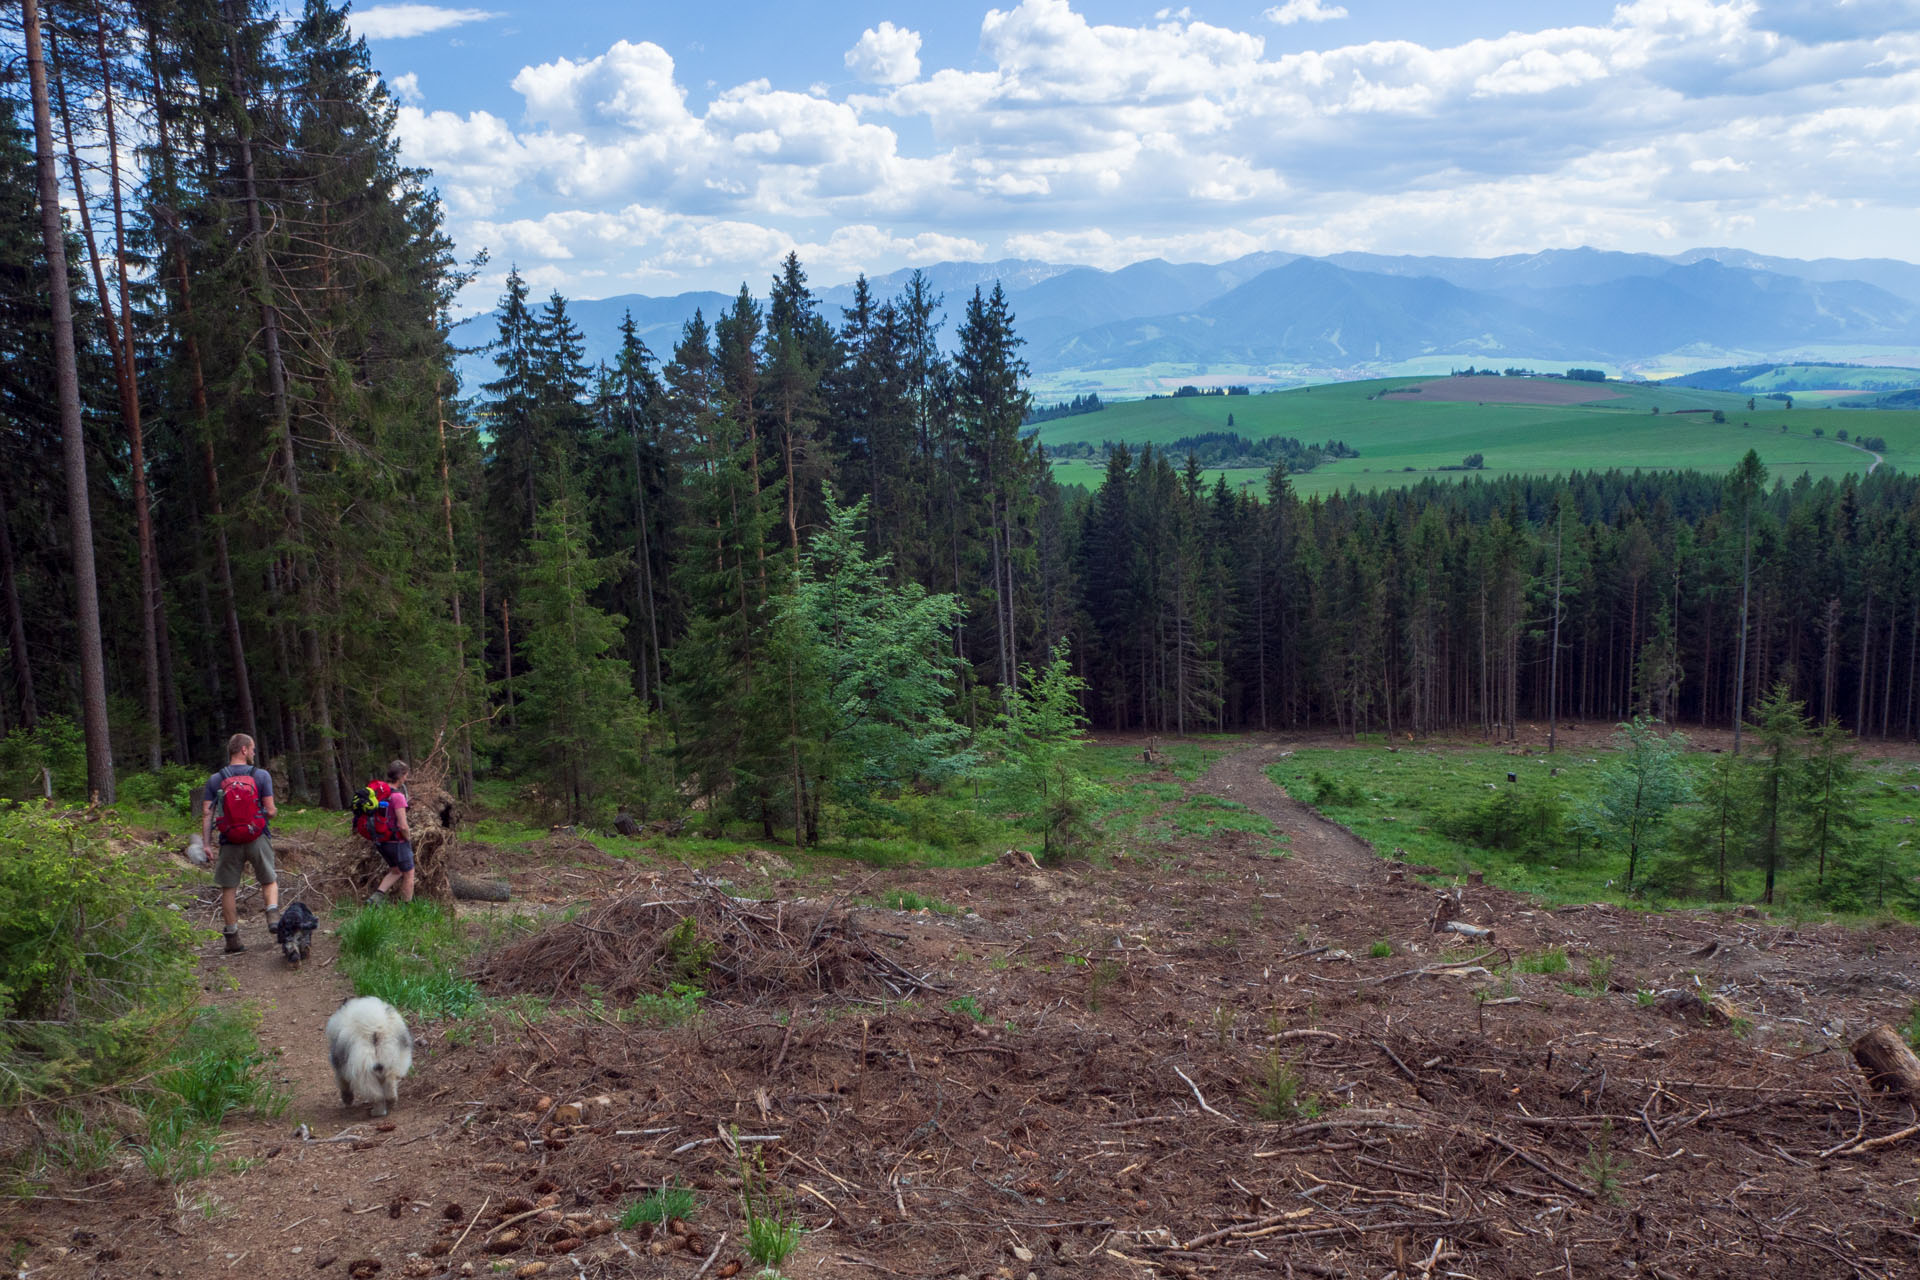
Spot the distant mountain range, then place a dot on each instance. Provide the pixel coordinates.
(1350, 314)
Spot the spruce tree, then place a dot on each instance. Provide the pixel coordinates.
(1830, 804)
(1031, 748)
(872, 670)
(1780, 725)
(579, 729)
(1635, 794)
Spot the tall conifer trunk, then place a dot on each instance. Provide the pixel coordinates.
(16, 624)
(93, 667)
(315, 675)
(168, 216)
(119, 338)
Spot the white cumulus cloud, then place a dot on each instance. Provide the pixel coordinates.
(1670, 122)
(405, 87)
(1304, 11)
(399, 21)
(886, 54)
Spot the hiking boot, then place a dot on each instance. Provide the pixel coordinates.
(233, 942)
(273, 919)
(376, 899)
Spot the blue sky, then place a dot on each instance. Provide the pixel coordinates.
(651, 148)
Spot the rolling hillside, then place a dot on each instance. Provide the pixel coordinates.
(1404, 439)
(1767, 379)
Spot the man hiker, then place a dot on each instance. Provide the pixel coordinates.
(239, 801)
(397, 851)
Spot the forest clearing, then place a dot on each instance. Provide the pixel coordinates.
(866, 820)
(1243, 1050)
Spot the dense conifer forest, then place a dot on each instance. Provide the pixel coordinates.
(698, 571)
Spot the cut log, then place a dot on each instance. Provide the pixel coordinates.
(1465, 930)
(470, 890)
(625, 825)
(1887, 1062)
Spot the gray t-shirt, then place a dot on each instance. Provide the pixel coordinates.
(261, 780)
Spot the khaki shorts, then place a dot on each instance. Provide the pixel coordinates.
(235, 857)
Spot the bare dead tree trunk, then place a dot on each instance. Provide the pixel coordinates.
(93, 667)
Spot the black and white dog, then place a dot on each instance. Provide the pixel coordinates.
(295, 932)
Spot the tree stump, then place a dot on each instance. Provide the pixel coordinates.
(1887, 1062)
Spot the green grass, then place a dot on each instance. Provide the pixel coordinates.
(669, 1202)
(1381, 949)
(219, 1070)
(1210, 815)
(1403, 441)
(1396, 801)
(409, 954)
(907, 900)
(1552, 960)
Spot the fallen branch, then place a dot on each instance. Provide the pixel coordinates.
(1853, 1147)
(1203, 1102)
(1453, 969)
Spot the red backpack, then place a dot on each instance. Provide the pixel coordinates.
(373, 811)
(241, 819)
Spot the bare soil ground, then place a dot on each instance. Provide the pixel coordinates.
(1498, 390)
(1103, 1115)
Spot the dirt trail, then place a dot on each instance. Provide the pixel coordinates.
(1326, 848)
(294, 1003)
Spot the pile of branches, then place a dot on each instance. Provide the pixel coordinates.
(732, 948)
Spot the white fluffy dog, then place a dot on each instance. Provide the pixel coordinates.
(371, 1049)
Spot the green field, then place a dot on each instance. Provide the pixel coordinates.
(1398, 800)
(1403, 441)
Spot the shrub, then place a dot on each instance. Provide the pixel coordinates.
(172, 789)
(687, 953)
(95, 969)
(1334, 791)
(54, 745)
(1516, 818)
